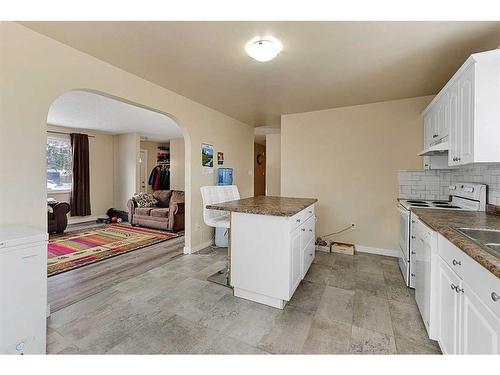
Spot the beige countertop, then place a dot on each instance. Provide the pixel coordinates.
(264, 205)
(444, 222)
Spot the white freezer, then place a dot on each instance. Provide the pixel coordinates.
(23, 290)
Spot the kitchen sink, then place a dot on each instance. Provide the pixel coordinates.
(489, 239)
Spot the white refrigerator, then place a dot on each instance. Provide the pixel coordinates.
(23, 290)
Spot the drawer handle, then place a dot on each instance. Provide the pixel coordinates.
(458, 290)
(303, 230)
(298, 220)
(310, 212)
(413, 237)
(457, 262)
(413, 253)
(495, 297)
(454, 287)
(310, 230)
(413, 275)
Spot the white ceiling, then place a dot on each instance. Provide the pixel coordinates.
(322, 65)
(87, 110)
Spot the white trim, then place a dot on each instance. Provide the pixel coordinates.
(378, 251)
(201, 246)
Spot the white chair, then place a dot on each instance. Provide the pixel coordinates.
(215, 218)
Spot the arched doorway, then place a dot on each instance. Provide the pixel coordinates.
(114, 123)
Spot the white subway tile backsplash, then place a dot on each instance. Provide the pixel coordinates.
(433, 184)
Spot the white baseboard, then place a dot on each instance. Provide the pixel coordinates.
(201, 246)
(378, 251)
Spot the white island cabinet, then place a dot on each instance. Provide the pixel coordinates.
(271, 248)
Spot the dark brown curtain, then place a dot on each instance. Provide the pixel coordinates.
(80, 196)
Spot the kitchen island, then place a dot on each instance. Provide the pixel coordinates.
(272, 245)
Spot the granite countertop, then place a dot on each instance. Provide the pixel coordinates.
(443, 221)
(264, 205)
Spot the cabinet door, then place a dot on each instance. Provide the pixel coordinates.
(296, 260)
(466, 116)
(480, 328)
(428, 128)
(453, 125)
(442, 119)
(448, 308)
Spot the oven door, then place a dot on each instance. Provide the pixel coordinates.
(404, 243)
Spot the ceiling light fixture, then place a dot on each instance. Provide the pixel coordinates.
(263, 49)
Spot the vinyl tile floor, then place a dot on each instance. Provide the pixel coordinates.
(345, 305)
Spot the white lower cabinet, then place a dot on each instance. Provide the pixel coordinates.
(468, 322)
(296, 258)
(448, 308)
(270, 255)
(479, 326)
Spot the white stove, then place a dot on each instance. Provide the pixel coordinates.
(464, 196)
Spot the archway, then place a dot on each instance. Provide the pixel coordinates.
(84, 100)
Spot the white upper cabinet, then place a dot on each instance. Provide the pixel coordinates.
(466, 112)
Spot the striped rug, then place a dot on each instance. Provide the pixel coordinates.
(79, 248)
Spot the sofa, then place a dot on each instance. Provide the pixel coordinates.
(168, 214)
(57, 217)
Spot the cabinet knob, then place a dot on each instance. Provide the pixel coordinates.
(298, 220)
(434, 136)
(495, 297)
(413, 275)
(303, 230)
(458, 290)
(413, 237)
(413, 253)
(453, 287)
(457, 262)
(310, 230)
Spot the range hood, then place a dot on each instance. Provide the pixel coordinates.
(437, 149)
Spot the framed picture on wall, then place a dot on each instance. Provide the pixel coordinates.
(207, 158)
(220, 158)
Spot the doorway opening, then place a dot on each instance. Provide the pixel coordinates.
(129, 175)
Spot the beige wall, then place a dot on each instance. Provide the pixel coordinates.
(273, 165)
(35, 70)
(177, 156)
(101, 170)
(259, 181)
(126, 177)
(348, 158)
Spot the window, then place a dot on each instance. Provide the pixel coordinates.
(59, 164)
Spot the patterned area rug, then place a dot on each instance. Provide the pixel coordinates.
(79, 248)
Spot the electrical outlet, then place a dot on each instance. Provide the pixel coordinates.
(197, 227)
(353, 225)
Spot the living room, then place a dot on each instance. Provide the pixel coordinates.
(115, 184)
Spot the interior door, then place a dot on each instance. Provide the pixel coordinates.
(144, 167)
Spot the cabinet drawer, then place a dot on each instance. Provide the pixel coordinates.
(479, 279)
(453, 256)
(301, 217)
(307, 231)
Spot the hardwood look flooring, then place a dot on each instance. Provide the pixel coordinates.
(345, 305)
(75, 285)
